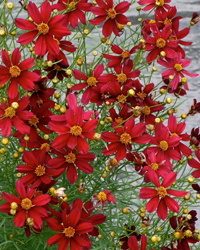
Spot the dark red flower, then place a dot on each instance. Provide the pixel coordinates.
(36, 168)
(28, 209)
(104, 197)
(123, 137)
(16, 114)
(133, 243)
(75, 11)
(176, 69)
(195, 108)
(70, 160)
(160, 198)
(17, 72)
(43, 26)
(159, 42)
(111, 15)
(195, 164)
(161, 4)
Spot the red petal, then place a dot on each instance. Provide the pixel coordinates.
(162, 210)
(146, 193)
(152, 204)
(20, 218)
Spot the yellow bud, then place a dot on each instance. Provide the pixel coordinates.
(55, 11)
(57, 95)
(107, 103)
(12, 211)
(138, 8)
(184, 80)
(13, 33)
(131, 92)
(19, 175)
(63, 110)
(26, 138)
(104, 175)
(159, 238)
(108, 42)
(79, 62)
(171, 77)
(97, 137)
(69, 72)
(190, 157)
(103, 39)
(100, 236)
(108, 119)
(5, 141)
(46, 137)
(189, 216)
(102, 122)
(198, 196)
(185, 211)
(69, 85)
(15, 105)
(10, 5)
(177, 235)
(55, 81)
(129, 24)
(121, 243)
(169, 100)
(157, 120)
(140, 19)
(13, 205)
(11, 236)
(198, 236)
(183, 116)
(143, 209)
(142, 214)
(191, 179)
(159, 229)
(16, 155)
(86, 31)
(188, 233)
(65, 199)
(2, 32)
(126, 210)
(154, 239)
(57, 107)
(187, 196)
(112, 234)
(162, 53)
(95, 53)
(154, 68)
(52, 190)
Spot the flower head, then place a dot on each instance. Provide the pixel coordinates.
(104, 197)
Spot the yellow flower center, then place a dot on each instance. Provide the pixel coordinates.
(26, 204)
(46, 145)
(119, 120)
(146, 110)
(121, 98)
(167, 21)
(43, 28)
(160, 43)
(152, 21)
(141, 95)
(173, 134)
(33, 121)
(113, 162)
(57, 68)
(125, 138)
(9, 112)
(70, 158)
(122, 78)
(162, 192)
(178, 67)
(125, 54)
(40, 170)
(163, 145)
(154, 166)
(159, 2)
(120, 26)
(111, 13)
(76, 130)
(69, 232)
(102, 196)
(15, 71)
(71, 6)
(91, 81)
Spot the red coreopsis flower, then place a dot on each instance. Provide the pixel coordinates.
(123, 137)
(70, 160)
(17, 72)
(43, 27)
(195, 108)
(123, 55)
(74, 130)
(165, 144)
(159, 42)
(160, 198)
(36, 168)
(75, 10)
(195, 164)
(104, 197)
(179, 91)
(176, 69)
(72, 230)
(28, 209)
(88, 82)
(15, 115)
(161, 4)
(111, 15)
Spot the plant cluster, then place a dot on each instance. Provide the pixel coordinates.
(94, 152)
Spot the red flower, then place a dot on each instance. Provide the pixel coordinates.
(195, 164)
(36, 168)
(159, 43)
(74, 128)
(161, 4)
(15, 115)
(104, 197)
(123, 55)
(123, 137)
(88, 82)
(17, 72)
(70, 160)
(165, 144)
(176, 70)
(28, 210)
(73, 230)
(45, 27)
(160, 199)
(75, 10)
(113, 15)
